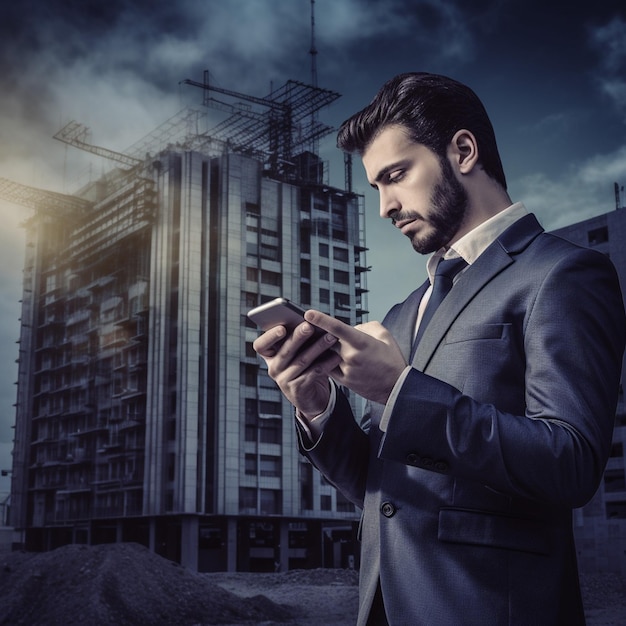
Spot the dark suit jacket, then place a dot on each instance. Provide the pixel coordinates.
(501, 428)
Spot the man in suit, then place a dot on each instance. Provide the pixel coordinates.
(482, 434)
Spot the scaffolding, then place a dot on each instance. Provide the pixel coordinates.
(274, 128)
(43, 200)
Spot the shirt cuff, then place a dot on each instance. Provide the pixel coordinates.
(315, 426)
(384, 420)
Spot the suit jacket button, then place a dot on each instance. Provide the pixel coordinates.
(426, 462)
(441, 466)
(387, 509)
(412, 458)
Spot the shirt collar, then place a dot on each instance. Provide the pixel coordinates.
(474, 243)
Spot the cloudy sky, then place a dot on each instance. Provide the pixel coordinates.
(553, 80)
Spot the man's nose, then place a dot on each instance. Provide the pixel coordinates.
(389, 204)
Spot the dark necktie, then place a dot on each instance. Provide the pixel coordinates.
(445, 272)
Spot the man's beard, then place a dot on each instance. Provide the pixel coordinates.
(449, 202)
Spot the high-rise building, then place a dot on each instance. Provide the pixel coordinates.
(600, 526)
(143, 413)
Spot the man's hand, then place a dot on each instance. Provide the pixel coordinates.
(365, 358)
(370, 360)
(301, 373)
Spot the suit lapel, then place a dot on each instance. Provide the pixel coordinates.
(499, 255)
(402, 318)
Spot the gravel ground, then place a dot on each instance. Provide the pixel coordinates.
(320, 596)
(127, 585)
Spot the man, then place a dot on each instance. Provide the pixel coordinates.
(483, 434)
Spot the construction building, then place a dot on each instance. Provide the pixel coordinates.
(600, 526)
(143, 413)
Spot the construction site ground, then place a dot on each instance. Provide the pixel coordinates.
(127, 585)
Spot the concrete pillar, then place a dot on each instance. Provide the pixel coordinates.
(152, 534)
(284, 545)
(231, 545)
(189, 542)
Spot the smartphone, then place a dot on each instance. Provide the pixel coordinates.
(279, 312)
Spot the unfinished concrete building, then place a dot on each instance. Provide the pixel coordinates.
(142, 413)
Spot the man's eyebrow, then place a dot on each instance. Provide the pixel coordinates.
(385, 170)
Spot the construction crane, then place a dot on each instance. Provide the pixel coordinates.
(278, 128)
(75, 134)
(313, 53)
(42, 200)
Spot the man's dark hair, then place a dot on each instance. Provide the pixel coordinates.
(432, 108)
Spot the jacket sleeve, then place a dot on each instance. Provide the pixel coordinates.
(342, 452)
(555, 448)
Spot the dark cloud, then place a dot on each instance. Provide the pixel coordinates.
(551, 78)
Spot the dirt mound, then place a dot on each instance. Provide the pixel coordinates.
(121, 584)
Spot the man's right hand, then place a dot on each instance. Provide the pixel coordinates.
(300, 373)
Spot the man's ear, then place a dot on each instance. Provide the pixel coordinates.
(463, 151)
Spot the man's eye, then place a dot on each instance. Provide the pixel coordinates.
(396, 177)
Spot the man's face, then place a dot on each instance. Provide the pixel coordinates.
(418, 191)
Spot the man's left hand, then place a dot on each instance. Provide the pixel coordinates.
(371, 360)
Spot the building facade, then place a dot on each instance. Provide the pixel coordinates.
(600, 526)
(143, 413)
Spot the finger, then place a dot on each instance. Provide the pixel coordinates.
(297, 352)
(297, 357)
(334, 326)
(266, 344)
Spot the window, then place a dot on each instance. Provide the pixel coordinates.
(614, 480)
(269, 252)
(171, 466)
(270, 465)
(341, 277)
(324, 250)
(326, 503)
(616, 510)
(342, 301)
(270, 431)
(250, 432)
(270, 408)
(320, 203)
(249, 374)
(249, 300)
(305, 238)
(340, 254)
(306, 486)
(339, 222)
(250, 465)
(321, 227)
(271, 278)
(305, 293)
(305, 268)
(247, 498)
(324, 272)
(251, 410)
(271, 502)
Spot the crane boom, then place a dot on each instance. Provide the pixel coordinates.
(42, 200)
(75, 134)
